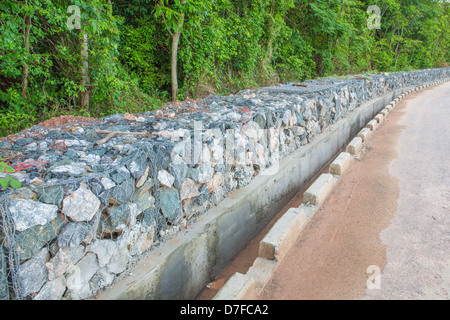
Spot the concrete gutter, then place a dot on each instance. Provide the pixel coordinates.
(277, 242)
(182, 266)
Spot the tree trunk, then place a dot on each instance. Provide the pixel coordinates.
(85, 81)
(174, 58)
(26, 43)
(175, 41)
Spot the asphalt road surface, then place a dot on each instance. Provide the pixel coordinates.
(384, 230)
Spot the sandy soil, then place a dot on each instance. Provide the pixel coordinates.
(330, 258)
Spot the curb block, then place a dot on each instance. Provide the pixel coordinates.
(364, 133)
(238, 287)
(354, 146)
(372, 125)
(341, 163)
(318, 191)
(261, 272)
(279, 239)
(379, 118)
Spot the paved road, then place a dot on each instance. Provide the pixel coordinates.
(390, 212)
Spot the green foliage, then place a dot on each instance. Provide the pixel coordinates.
(225, 46)
(8, 180)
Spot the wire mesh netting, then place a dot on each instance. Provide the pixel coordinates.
(65, 213)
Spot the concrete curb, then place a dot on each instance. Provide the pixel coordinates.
(239, 287)
(341, 163)
(355, 145)
(277, 241)
(280, 238)
(319, 190)
(372, 125)
(364, 134)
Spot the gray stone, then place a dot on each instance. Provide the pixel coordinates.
(91, 158)
(192, 173)
(31, 147)
(300, 120)
(178, 169)
(121, 214)
(30, 241)
(206, 155)
(163, 155)
(107, 183)
(254, 131)
(260, 119)
(204, 195)
(4, 292)
(120, 175)
(217, 153)
(73, 233)
(148, 217)
(23, 141)
(144, 201)
(51, 195)
(70, 186)
(32, 274)
(124, 192)
(81, 205)
(137, 167)
(28, 213)
(138, 239)
(5, 145)
(169, 201)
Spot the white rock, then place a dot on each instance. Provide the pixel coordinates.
(64, 258)
(216, 181)
(188, 189)
(206, 155)
(104, 249)
(165, 178)
(72, 169)
(254, 131)
(28, 213)
(81, 205)
(119, 261)
(52, 290)
(103, 278)
(107, 183)
(78, 276)
(91, 158)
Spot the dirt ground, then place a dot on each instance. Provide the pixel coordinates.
(330, 258)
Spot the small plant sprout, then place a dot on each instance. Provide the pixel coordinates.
(5, 182)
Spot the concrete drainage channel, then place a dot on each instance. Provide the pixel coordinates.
(277, 242)
(186, 263)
